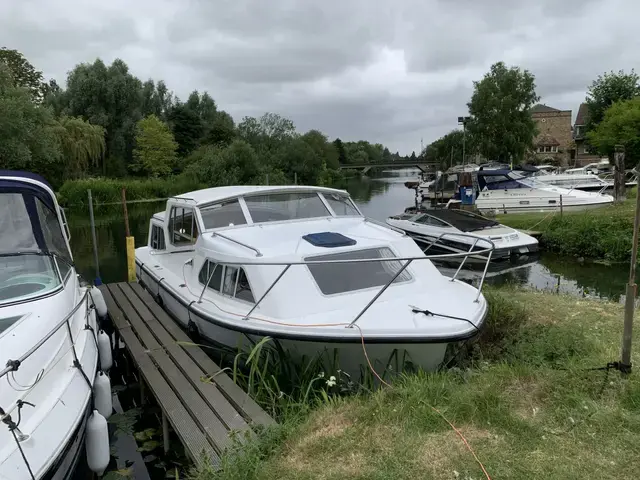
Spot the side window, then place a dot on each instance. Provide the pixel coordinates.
(243, 289)
(157, 238)
(213, 272)
(183, 228)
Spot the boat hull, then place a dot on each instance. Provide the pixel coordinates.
(346, 354)
(487, 208)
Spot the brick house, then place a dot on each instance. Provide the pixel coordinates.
(554, 142)
(582, 155)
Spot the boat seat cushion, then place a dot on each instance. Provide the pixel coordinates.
(329, 240)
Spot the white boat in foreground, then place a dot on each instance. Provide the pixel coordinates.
(303, 266)
(462, 230)
(48, 341)
(507, 191)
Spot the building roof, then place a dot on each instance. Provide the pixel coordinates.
(547, 140)
(215, 194)
(540, 108)
(583, 114)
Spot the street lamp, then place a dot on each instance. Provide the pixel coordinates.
(463, 121)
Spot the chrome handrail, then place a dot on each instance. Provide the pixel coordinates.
(41, 342)
(258, 253)
(383, 224)
(407, 261)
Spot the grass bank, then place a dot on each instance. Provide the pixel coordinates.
(528, 406)
(604, 233)
(108, 191)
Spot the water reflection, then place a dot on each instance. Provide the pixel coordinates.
(378, 197)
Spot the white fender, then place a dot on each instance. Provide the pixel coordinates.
(97, 443)
(102, 394)
(98, 301)
(104, 350)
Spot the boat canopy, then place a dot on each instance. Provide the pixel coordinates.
(500, 179)
(463, 220)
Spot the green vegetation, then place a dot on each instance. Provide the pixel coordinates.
(620, 126)
(604, 233)
(528, 405)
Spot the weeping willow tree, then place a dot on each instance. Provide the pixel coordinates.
(82, 145)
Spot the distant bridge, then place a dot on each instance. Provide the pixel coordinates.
(365, 167)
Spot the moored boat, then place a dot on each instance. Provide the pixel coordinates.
(303, 266)
(48, 339)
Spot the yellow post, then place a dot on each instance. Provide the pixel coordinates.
(131, 244)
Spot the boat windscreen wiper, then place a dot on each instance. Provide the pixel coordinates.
(27, 252)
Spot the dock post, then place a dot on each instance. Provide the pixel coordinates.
(295, 178)
(630, 300)
(98, 280)
(142, 395)
(165, 432)
(131, 245)
(267, 179)
(618, 174)
(561, 207)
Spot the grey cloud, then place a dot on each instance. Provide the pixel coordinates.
(389, 72)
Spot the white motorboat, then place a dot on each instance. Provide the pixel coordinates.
(507, 191)
(48, 341)
(426, 226)
(587, 182)
(303, 266)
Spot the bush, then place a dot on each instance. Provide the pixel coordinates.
(73, 193)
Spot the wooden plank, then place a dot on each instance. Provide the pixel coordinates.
(117, 317)
(250, 410)
(194, 403)
(147, 339)
(193, 439)
(209, 392)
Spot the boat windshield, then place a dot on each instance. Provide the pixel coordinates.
(341, 204)
(30, 237)
(273, 207)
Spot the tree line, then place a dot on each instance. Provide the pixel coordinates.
(107, 122)
(500, 126)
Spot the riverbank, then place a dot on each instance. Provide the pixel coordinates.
(601, 234)
(529, 408)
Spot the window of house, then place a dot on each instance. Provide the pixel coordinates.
(183, 227)
(584, 150)
(223, 214)
(229, 280)
(157, 238)
(540, 149)
(547, 148)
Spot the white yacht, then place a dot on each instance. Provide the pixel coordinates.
(303, 266)
(426, 226)
(48, 338)
(507, 191)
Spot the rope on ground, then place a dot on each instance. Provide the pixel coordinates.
(551, 213)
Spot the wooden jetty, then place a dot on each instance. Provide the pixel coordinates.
(201, 403)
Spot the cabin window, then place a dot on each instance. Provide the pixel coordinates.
(157, 237)
(340, 204)
(211, 272)
(226, 279)
(223, 215)
(429, 220)
(334, 278)
(183, 226)
(275, 207)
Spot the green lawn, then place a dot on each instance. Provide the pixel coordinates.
(527, 405)
(604, 233)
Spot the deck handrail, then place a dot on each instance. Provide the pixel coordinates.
(407, 261)
(238, 242)
(12, 367)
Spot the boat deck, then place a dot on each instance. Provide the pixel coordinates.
(200, 402)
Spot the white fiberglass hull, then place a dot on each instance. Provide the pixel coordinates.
(536, 200)
(342, 347)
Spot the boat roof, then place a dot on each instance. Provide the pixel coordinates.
(216, 194)
(493, 173)
(27, 182)
(462, 220)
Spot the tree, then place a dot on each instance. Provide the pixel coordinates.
(110, 97)
(222, 131)
(619, 126)
(608, 89)
(155, 150)
(24, 74)
(500, 111)
(447, 150)
(28, 132)
(386, 155)
(187, 128)
(82, 145)
(413, 157)
(342, 154)
(324, 149)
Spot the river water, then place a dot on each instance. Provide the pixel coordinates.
(378, 197)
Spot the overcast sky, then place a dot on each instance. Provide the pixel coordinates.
(385, 71)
